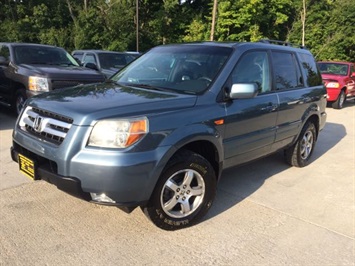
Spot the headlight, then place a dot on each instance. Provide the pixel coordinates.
(38, 84)
(334, 85)
(120, 133)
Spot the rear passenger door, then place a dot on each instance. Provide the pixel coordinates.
(294, 93)
(251, 123)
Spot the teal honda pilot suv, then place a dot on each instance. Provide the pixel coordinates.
(159, 133)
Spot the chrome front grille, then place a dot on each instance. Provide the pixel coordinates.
(45, 125)
(59, 84)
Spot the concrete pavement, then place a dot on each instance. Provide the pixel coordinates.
(265, 213)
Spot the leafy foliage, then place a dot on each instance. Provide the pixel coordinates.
(113, 25)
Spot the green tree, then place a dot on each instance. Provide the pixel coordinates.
(328, 30)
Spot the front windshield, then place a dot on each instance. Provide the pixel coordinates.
(333, 68)
(42, 55)
(183, 68)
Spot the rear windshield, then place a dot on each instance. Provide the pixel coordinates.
(113, 60)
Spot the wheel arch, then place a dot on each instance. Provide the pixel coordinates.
(204, 147)
(207, 150)
(15, 87)
(345, 89)
(315, 120)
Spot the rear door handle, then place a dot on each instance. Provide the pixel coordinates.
(269, 108)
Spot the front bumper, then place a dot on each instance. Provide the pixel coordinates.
(126, 178)
(333, 94)
(68, 184)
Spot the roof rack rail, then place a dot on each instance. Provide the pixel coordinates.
(281, 43)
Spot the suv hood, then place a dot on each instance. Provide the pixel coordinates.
(86, 103)
(59, 72)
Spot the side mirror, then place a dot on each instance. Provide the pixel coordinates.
(243, 91)
(352, 75)
(91, 66)
(3, 61)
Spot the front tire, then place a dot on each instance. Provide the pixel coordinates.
(299, 154)
(339, 103)
(20, 99)
(184, 192)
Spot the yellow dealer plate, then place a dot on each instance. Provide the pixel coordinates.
(27, 166)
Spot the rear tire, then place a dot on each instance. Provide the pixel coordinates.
(299, 154)
(184, 192)
(339, 103)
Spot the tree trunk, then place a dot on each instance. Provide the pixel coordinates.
(214, 11)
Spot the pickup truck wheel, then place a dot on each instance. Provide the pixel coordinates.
(338, 104)
(298, 154)
(184, 192)
(20, 99)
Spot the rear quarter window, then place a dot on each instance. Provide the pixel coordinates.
(309, 65)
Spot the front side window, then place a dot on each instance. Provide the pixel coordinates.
(4, 52)
(352, 69)
(253, 67)
(287, 74)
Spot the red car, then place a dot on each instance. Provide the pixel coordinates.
(339, 78)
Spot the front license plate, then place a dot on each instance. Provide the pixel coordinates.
(27, 166)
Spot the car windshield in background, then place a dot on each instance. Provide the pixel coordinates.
(112, 60)
(186, 69)
(43, 55)
(333, 68)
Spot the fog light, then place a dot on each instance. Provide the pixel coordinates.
(101, 198)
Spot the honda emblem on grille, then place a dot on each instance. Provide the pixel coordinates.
(37, 124)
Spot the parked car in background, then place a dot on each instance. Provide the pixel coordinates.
(30, 69)
(159, 133)
(107, 62)
(339, 79)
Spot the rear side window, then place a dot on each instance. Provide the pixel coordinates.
(287, 74)
(313, 77)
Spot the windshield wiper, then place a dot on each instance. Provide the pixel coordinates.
(49, 64)
(144, 86)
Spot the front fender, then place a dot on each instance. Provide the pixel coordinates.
(185, 136)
